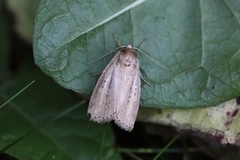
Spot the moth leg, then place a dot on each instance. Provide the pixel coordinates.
(116, 41)
(145, 80)
(96, 74)
(141, 43)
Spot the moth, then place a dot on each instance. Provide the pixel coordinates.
(117, 93)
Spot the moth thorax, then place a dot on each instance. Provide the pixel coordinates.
(129, 46)
(127, 60)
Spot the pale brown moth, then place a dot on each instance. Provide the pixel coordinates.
(117, 93)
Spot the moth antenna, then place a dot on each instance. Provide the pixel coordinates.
(116, 41)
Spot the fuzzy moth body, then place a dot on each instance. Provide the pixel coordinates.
(117, 93)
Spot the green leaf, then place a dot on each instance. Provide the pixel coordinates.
(197, 41)
(64, 136)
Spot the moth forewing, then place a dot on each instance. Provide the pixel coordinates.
(100, 107)
(126, 113)
(128, 89)
(117, 93)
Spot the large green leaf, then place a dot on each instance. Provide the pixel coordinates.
(198, 41)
